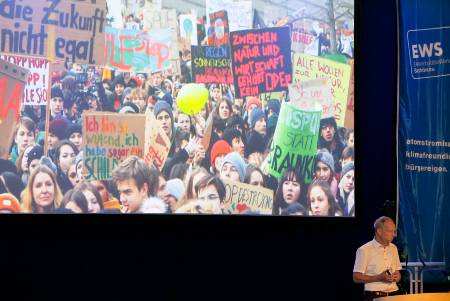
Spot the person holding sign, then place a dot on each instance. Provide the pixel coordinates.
(289, 194)
(377, 263)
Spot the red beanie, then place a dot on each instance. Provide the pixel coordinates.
(253, 100)
(9, 202)
(219, 148)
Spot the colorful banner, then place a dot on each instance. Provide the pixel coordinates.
(308, 67)
(295, 141)
(424, 130)
(36, 88)
(138, 51)
(261, 60)
(313, 94)
(71, 31)
(188, 30)
(219, 30)
(240, 14)
(211, 65)
(241, 198)
(109, 138)
(12, 82)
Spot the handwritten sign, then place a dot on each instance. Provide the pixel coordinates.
(12, 81)
(350, 114)
(261, 60)
(138, 51)
(294, 142)
(188, 30)
(241, 197)
(308, 67)
(305, 43)
(36, 87)
(208, 132)
(71, 30)
(211, 65)
(313, 95)
(157, 144)
(109, 138)
(219, 30)
(240, 14)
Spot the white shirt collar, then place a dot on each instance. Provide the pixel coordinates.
(376, 244)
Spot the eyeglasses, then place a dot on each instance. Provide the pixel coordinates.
(209, 197)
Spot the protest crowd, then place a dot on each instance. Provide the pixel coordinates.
(180, 141)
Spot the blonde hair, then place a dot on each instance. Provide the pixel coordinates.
(28, 202)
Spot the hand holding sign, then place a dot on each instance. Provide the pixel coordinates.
(192, 98)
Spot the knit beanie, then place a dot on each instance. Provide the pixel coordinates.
(35, 153)
(255, 144)
(256, 115)
(235, 159)
(48, 162)
(274, 105)
(58, 127)
(9, 202)
(347, 167)
(7, 165)
(176, 188)
(56, 92)
(219, 148)
(234, 120)
(326, 158)
(129, 107)
(162, 105)
(253, 100)
(73, 128)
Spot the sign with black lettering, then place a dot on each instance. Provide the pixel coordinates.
(211, 65)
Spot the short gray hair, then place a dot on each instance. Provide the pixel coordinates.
(379, 222)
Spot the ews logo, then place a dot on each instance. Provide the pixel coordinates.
(427, 50)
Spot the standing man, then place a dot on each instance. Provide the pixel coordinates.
(377, 262)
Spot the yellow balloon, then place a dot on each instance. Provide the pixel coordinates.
(192, 98)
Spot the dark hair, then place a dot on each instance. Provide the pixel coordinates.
(334, 207)
(229, 104)
(348, 133)
(248, 173)
(190, 184)
(179, 171)
(290, 174)
(212, 180)
(88, 186)
(60, 145)
(13, 183)
(348, 152)
(77, 197)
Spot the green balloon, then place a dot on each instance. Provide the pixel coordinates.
(192, 98)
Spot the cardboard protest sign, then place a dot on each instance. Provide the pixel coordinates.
(295, 141)
(350, 114)
(157, 144)
(208, 132)
(71, 30)
(12, 82)
(308, 67)
(240, 14)
(305, 43)
(188, 30)
(266, 97)
(313, 94)
(241, 197)
(110, 138)
(261, 60)
(219, 30)
(36, 88)
(137, 51)
(211, 65)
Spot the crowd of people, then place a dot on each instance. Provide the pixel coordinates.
(190, 181)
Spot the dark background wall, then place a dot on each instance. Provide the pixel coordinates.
(149, 257)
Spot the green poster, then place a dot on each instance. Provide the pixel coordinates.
(294, 142)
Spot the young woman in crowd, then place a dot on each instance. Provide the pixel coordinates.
(254, 176)
(65, 154)
(224, 109)
(346, 186)
(289, 194)
(321, 201)
(93, 198)
(194, 178)
(324, 169)
(24, 135)
(42, 193)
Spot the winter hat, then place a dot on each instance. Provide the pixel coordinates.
(58, 127)
(347, 167)
(35, 153)
(230, 134)
(168, 98)
(272, 121)
(9, 202)
(274, 105)
(73, 128)
(176, 188)
(235, 159)
(129, 107)
(56, 92)
(48, 162)
(219, 148)
(6, 165)
(294, 208)
(255, 144)
(253, 100)
(118, 80)
(326, 158)
(256, 115)
(235, 120)
(162, 106)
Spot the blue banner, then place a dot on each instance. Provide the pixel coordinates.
(424, 129)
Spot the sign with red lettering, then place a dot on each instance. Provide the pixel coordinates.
(138, 51)
(36, 88)
(12, 81)
(311, 95)
(219, 30)
(157, 144)
(261, 60)
(305, 43)
(211, 65)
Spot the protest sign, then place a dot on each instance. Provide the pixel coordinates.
(350, 114)
(114, 14)
(266, 97)
(157, 144)
(240, 14)
(110, 138)
(36, 87)
(71, 30)
(241, 198)
(219, 30)
(211, 65)
(305, 43)
(295, 141)
(188, 30)
(308, 67)
(12, 82)
(137, 51)
(206, 139)
(261, 60)
(313, 95)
